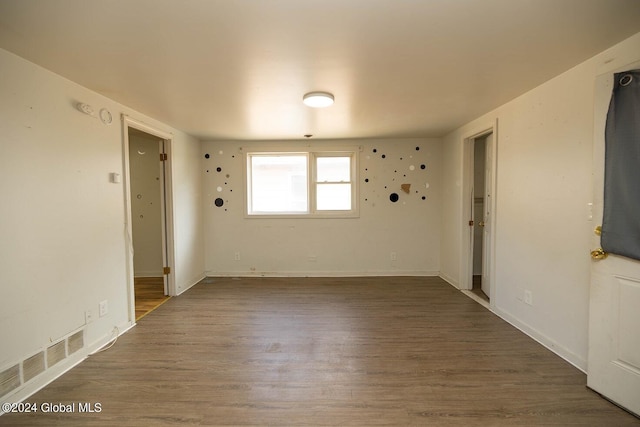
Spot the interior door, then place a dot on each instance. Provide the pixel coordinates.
(163, 215)
(614, 315)
(487, 219)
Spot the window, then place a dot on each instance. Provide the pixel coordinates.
(308, 184)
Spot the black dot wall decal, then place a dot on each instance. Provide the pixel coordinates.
(417, 148)
(219, 169)
(384, 156)
(219, 202)
(375, 150)
(394, 197)
(424, 198)
(206, 156)
(366, 180)
(423, 166)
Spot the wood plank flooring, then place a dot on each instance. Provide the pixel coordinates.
(149, 294)
(325, 351)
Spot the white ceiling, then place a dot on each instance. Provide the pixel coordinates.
(234, 69)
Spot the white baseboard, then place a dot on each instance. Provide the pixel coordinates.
(158, 273)
(190, 284)
(449, 280)
(577, 361)
(320, 273)
(561, 351)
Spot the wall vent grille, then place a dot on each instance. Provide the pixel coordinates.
(13, 377)
(9, 379)
(75, 342)
(33, 366)
(56, 353)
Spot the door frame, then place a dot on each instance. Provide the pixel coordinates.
(168, 249)
(466, 234)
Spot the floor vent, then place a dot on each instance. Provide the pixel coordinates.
(33, 366)
(9, 379)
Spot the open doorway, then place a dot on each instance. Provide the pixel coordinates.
(479, 287)
(150, 249)
(479, 213)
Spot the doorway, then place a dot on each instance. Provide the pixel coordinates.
(479, 287)
(478, 208)
(150, 248)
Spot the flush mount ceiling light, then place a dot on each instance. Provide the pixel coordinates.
(318, 99)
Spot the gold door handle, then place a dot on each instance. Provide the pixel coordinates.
(481, 224)
(599, 254)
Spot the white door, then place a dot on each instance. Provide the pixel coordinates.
(614, 314)
(487, 218)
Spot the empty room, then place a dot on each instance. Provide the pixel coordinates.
(305, 212)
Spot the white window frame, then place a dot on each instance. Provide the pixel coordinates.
(312, 211)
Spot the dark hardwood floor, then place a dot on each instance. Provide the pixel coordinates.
(316, 352)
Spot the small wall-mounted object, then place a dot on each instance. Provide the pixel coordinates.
(115, 178)
(85, 108)
(105, 116)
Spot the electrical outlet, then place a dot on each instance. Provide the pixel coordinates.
(394, 256)
(528, 297)
(237, 256)
(88, 317)
(104, 308)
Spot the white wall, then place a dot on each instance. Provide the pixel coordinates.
(146, 204)
(355, 246)
(188, 230)
(543, 235)
(62, 231)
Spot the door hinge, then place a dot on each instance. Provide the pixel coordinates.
(471, 223)
(166, 270)
(163, 157)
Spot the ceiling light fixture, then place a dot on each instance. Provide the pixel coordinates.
(318, 99)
